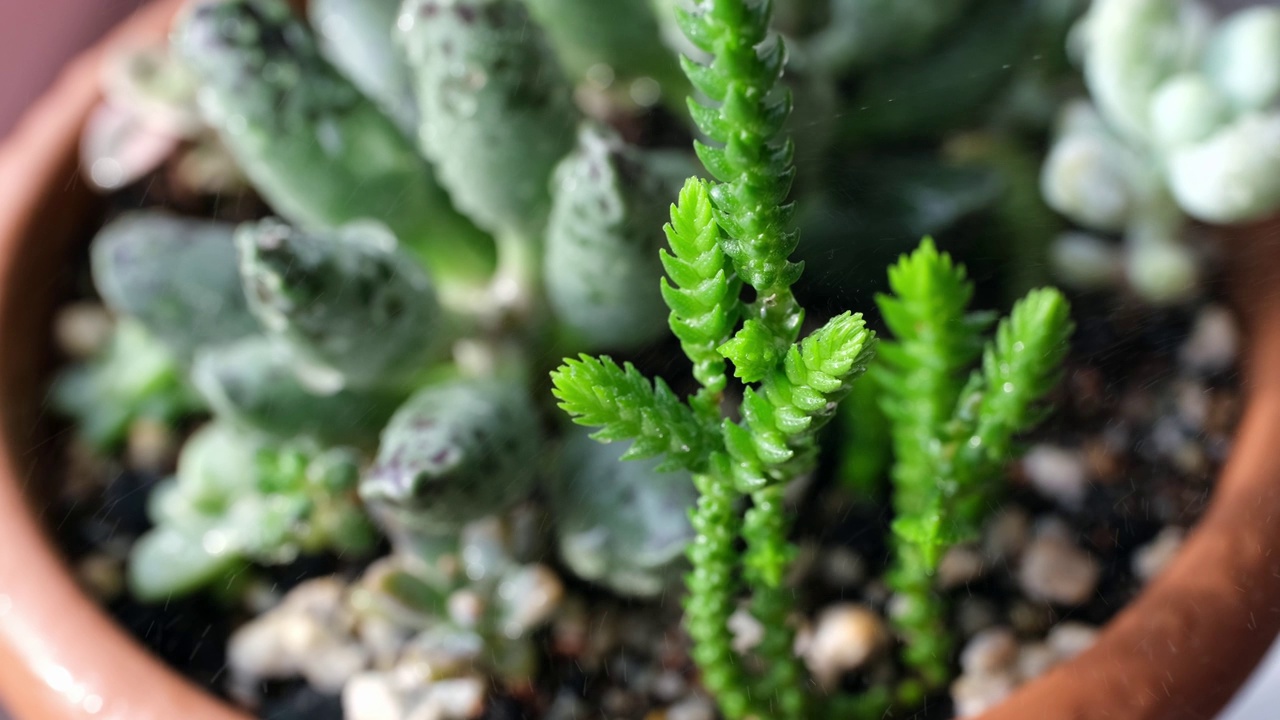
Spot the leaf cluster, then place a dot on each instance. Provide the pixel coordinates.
(950, 435)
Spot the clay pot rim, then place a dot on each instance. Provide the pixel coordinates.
(1181, 649)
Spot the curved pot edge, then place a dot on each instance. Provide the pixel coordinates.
(62, 657)
(1181, 649)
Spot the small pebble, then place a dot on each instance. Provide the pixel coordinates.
(1034, 660)
(1057, 473)
(960, 565)
(1152, 558)
(973, 695)
(1055, 570)
(692, 708)
(1069, 639)
(1006, 535)
(372, 696)
(1214, 341)
(844, 638)
(1193, 401)
(669, 686)
(991, 651)
(81, 329)
(453, 699)
(529, 596)
(309, 634)
(152, 446)
(747, 630)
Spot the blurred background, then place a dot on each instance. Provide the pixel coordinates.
(38, 36)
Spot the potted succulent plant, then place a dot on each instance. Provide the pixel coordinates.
(314, 454)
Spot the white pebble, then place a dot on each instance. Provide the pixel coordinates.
(747, 630)
(1006, 535)
(1035, 660)
(1054, 569)
(1069, 639)
(81, 329)
(669, 685)
(961, 565)
(1214, 341)
(333, 664)
(991, 651)
(973, 695)
(1057, 473)
(692, 708)
(844, 638)
(454, 699)
(151, 446)
(309, 634)
(1152, 558)
(372, 696)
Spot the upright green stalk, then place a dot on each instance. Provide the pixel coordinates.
(743, 120)
(722, 234)
(951, 437)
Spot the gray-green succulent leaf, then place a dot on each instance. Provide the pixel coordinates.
(255, 383)
(355, 35)
(624, 525)
(497, 109)
(602, 240)
(612, 45)
(455, 452)
(320, 152)
(176, 276)
(348, 303)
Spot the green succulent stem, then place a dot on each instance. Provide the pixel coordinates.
(950, 437)
(714, 585)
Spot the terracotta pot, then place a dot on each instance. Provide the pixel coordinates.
(1179, 651)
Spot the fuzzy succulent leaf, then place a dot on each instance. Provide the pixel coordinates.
(175, 276)
(777, 438)
(320, 152)
(1132, 46)
(498, 110)
(348, 303)
(622, 35)
(624, 525)
(134, 376)
(601, 246)
(355, 35)
(703, 290)
(626, 405)
(254, 383)
(455, 452)
(746, 154)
